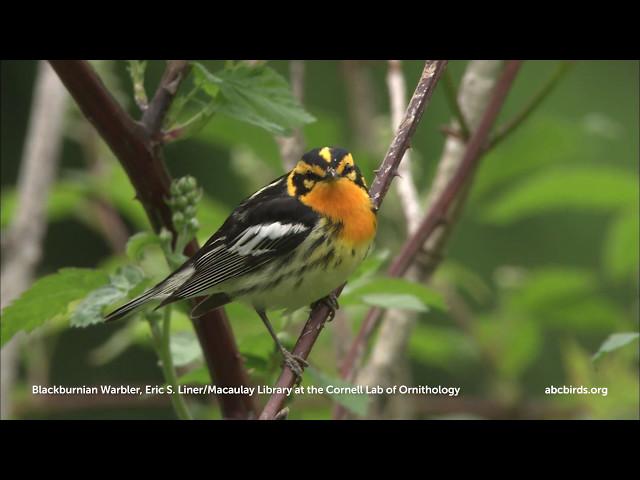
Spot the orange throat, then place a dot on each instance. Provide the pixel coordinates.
(346, 203)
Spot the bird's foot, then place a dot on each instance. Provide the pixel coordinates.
(331, 302)
(295, 363)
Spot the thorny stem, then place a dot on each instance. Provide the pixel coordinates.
(437, 213)
(137, 147)
(431, 74)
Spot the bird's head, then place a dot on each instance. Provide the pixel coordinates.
(326, 167)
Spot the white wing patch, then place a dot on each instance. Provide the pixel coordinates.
(272, 184)
(253, 236)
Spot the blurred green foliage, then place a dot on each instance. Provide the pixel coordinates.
(539, 285)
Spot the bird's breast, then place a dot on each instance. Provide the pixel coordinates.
(347, 205)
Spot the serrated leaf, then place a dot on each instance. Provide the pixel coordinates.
(614, 342)
(357, 404)
(385, 290)
(89, 310)
(584, 188)
(48, 297)
(185, 348)
(256, 95)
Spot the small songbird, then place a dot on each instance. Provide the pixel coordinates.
(288, 245)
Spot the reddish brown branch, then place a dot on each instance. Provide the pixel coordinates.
(387, 171)
(438, 212)
(157, 109)
(140, 155)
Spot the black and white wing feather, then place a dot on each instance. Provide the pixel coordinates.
(268, 225)
(265, 227)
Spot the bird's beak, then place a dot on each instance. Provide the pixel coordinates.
(331, 174)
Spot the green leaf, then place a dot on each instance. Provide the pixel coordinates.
(401, 301)
(622, 246)
(126, 278)
(614, 342)
(256, 95)
(357, 404)
(392, 293)
(367, 269)
(230, 133)
(138, 242)
(48, 297)
(584, 188)
(89, 310)
(185, 348)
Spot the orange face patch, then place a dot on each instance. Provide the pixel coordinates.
(343, 201)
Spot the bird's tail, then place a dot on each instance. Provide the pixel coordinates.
(134, 305)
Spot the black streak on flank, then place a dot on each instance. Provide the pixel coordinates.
(353, 252)
(315, 245)
(327, 258)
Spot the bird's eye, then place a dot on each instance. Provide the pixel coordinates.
(347, 170)
(309, 176)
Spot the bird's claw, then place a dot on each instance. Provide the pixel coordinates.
(295, 363)
(331, 302)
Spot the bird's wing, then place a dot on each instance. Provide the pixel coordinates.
(268, 225)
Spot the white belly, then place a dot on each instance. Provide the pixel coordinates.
(300, 279)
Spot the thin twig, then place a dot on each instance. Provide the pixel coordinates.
(405, 185)
(23, 247)
(505, 130)
(156, 111)
(437, 213)
(452, 98)
(141, 159)
(310, 332)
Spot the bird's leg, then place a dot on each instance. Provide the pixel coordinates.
(295, 363)
(331, 302)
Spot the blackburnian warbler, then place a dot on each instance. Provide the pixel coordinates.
(288, 245)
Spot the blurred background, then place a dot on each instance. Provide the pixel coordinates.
(541, 268)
